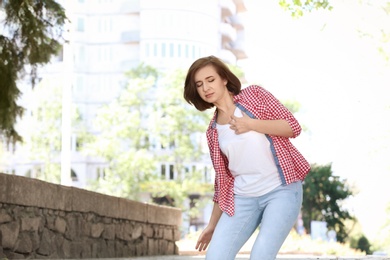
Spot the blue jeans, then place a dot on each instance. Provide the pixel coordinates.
(276, 211)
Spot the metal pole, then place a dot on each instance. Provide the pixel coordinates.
(66, 126)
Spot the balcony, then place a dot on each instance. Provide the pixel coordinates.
(227, 56)
(228, 33)
(240, 6)
(130, 36)
(228, 8)
(237, 22)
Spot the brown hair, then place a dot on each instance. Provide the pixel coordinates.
(190, 90)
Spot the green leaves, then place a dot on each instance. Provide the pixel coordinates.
(323, 196)
(297, 8)
(31, 37)
(148, 124)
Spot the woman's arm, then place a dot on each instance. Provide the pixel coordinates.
(279, 127)
(205, 238)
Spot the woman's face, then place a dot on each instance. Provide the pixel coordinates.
(210, 86)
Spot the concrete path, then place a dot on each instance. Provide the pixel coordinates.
(246, 257)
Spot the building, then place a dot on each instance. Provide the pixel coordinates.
(109, 37)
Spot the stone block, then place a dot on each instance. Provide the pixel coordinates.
(9, 234)
(60, 225)
(176, 234)
(123, 231)
(46, 246)
(109, 231)
(4, 190)
(170, 248)
(132, 210)
(76, 249)
(86, 251)
(30, 224)
(36, 190)
(137, 232)
(74, 226)
(97, 229)
(88, 201)
(152, 246)
(162, 247)
(5, 217)
(163, 215)
(148, 230)
(24, 244)
(65, 248)
(168, 234)
(110, 251)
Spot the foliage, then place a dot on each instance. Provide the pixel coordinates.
(42, 132)
(31, 37)
(364, 245)
(122, 140)
(323, 194)
(382, 240)
(148, 124)
(297, 7)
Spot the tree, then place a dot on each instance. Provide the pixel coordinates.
(383, 238)
(323, 194)
(122, 140)
(42, 132)
(135, 131)
(31, 36)
(297, 8)
(364, 245)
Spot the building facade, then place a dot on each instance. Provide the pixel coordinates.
(107, 38)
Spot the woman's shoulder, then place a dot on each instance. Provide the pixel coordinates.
(252, 89)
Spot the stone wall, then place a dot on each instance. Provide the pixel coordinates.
(44, 220)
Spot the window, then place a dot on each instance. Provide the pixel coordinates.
(80, 24)
(171, 50)
(73, 175)
(187, 50)
(147, 50)
(105, 54)
(100, 173)
(105, 24)
(163, 171)
(155, 50)
(171, 172)
(179, 51)
(163, 48)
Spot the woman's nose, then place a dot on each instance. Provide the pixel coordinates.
(205, 86)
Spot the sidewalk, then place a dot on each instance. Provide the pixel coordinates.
(246, 257)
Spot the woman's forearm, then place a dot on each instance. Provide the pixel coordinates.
(272, 127)
(215, 216)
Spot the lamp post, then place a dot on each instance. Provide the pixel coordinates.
(67, 84)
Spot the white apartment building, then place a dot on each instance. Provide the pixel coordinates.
(112, 36)
(109, 37)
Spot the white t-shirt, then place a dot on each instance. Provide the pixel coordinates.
(250, 160)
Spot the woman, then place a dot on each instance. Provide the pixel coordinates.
(258, 172)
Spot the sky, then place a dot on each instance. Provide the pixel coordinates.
(342, 83)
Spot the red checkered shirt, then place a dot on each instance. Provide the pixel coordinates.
(257, 102)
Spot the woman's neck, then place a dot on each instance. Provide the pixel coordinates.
(225, 109)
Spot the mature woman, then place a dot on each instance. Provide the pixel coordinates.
(258, 171)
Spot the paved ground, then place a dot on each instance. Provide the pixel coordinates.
(246, 257)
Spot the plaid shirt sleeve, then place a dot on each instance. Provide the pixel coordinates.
(265, 106)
